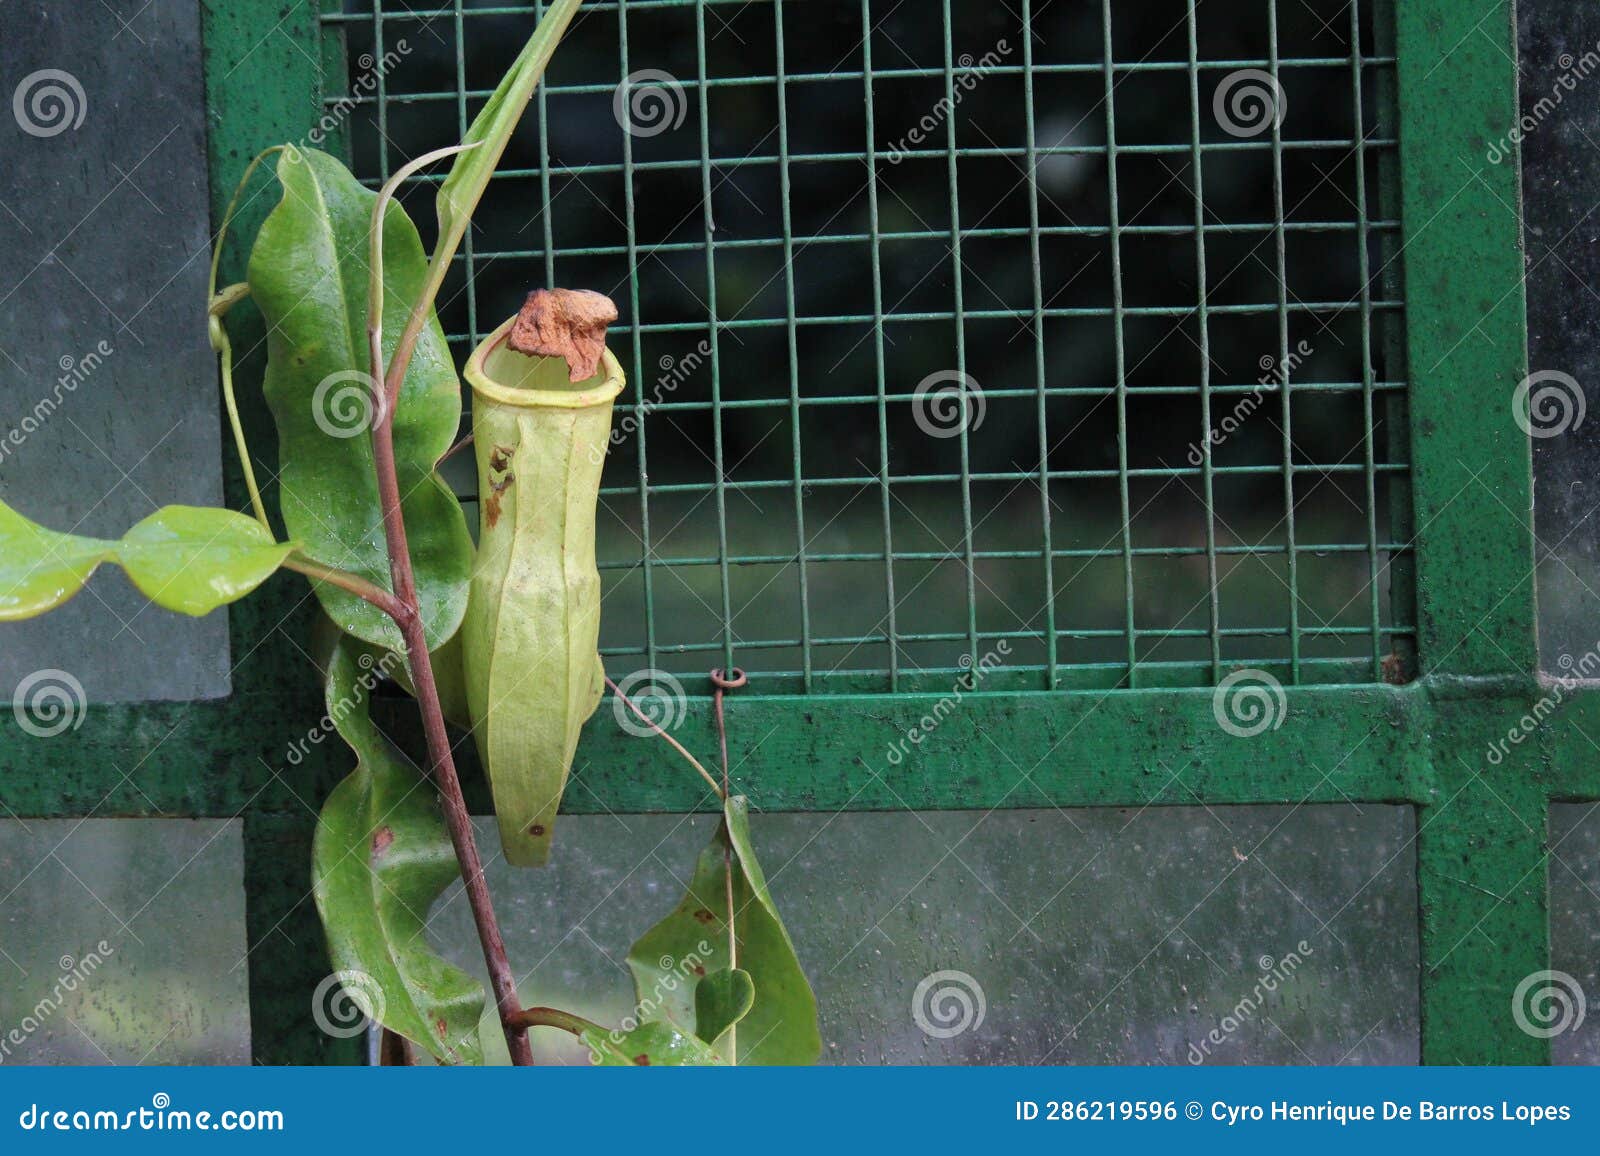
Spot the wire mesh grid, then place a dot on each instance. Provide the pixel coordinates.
(1044, 343)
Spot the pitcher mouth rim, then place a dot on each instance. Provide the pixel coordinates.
(603, 394)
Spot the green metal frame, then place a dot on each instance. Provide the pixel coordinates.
(1481, 846)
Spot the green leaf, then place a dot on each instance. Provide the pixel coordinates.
(39, 568)
(380, 858)
(781, 1025)
(492, 128)
(190, 559)
(193, 559)
(648, 1045)
(721, 1000)
(449, 679)
(309, 275)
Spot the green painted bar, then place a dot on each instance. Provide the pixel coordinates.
(1481, 877)
(1121, 749)
(1484, 926)
(1568, 769)
(1468, 337)
(816, 753)
(1480, 869)
(263, 87)
(203, 759)
(826, 752)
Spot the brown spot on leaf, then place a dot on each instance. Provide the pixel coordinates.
(566, 323)
(382, 839)
(491, 508)
(499, 463)
(536, 829)
(699, 969)
(642, 1059)
(439, 1026)
(704, 916)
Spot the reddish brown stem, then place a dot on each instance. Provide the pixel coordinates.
(353, 583)
(550, 1017)
(440, 762)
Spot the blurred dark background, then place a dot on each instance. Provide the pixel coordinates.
(804, 443)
